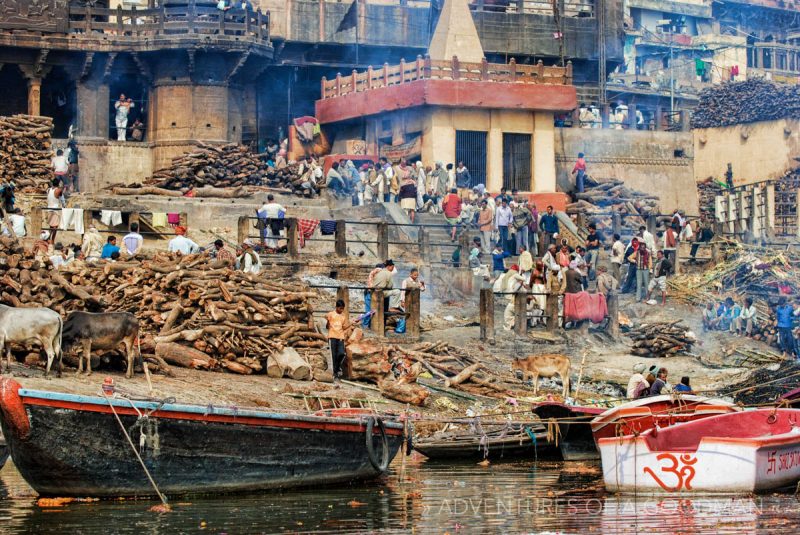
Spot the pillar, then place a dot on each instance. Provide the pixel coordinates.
(494, 160)
(343, 293)
(242, 228)
(612, 302)
(378, 322)
(36, 222)
(93, 109)
(34, 96)
(340, 237)
(543, 153)
(552, 312)
(521, 313)
(487, 314)
(412, 313)
(291, 237)
(383, 241)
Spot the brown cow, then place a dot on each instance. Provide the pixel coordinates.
(546, 366)
(106, 330)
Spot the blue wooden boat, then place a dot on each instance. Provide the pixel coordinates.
(73, 445)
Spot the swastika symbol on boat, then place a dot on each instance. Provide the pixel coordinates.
(682, 476)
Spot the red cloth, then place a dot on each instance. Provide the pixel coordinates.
(452, 206)
(585, 306)
(305, 229)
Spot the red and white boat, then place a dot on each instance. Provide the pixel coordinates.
(663, 411)
(747, 451)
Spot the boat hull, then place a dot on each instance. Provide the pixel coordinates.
(692, 458)
(575, 440)
(81, 451)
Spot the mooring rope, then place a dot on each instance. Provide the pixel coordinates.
(139, 457)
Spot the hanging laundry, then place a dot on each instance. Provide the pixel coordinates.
(305, 229)
(111, 218)
(159, 219)
(72, 218)
(174, 219)
(327, 228)
(585, 306)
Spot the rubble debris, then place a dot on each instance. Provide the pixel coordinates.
(746, 102)
(656, 340)
(25, 152)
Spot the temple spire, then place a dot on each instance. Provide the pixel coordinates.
(455, 34)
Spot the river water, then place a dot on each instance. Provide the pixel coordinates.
(422, 497)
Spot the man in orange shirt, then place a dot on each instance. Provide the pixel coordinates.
(337, 325)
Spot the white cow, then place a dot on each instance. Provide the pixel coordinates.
(27, 326)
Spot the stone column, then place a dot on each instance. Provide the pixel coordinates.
(494, 163)
(35, 96)
(544, 153)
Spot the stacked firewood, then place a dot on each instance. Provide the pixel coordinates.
(707, 192)
(193, 312)
(223, 166)
(25, 152)
(656, 340)
(611, 195)
(746, 102)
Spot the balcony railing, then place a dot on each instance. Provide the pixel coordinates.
(427, 69)
(569, 8)
(165, 21)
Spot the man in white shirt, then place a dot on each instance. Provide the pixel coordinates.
(617, 256)
(249, 261)
(60, 166)
(273, 213)
(92, 245)
(123, 106)
(649, 239)
(133, 241)
(412, 281)
(60, 257)
(17, 222)
(181, 244)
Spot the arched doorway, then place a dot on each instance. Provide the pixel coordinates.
(59, 101)
(15, 91)
(126, 79)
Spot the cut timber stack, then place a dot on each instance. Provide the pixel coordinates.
(707, 192)
(192, 312)
(211, 167)
(25, 152)
(656, 340)
(746, 102)
(611, 195)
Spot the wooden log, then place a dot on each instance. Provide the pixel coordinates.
(183, 356)
(463, 375)
(289, 363)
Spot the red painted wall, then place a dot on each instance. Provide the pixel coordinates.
(447, 93)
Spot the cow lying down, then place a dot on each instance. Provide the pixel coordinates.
(105, 330)
(26, 326)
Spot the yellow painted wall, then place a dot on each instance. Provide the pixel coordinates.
(758, 151)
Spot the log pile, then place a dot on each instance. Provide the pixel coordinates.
(211, 167)
(25, 152)
(193, 312)
(765, 386)
(611, 195)
(656, 340)
(707, 192)
(746, 102)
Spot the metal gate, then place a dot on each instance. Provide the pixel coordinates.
(517, 161)
(471, 149)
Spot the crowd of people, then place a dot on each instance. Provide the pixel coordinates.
(653, 381)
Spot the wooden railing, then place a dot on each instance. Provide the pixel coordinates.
(427, 69)
(568, 8)
(169, 21)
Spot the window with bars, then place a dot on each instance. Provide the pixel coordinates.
(517, 161)
(471, 149)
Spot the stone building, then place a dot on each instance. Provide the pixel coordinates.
(453, 106)
(189, 68)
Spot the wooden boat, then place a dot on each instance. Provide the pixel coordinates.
(3, 450)
(748, 451)
(642, 414)
(72, 445)
(574, 436)
(494, 442)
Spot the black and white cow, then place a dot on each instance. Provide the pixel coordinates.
(30, 325)
(106, 330)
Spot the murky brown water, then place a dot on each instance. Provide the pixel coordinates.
(519, 497)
